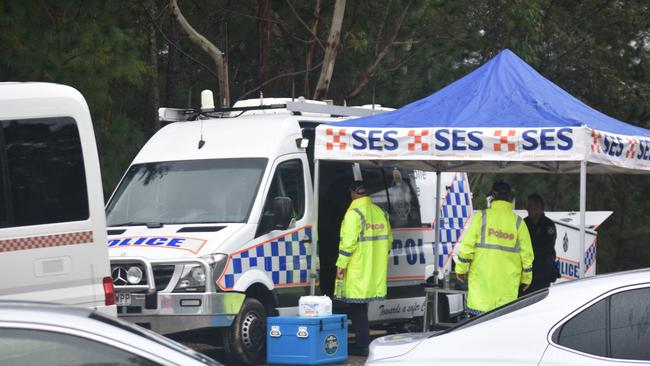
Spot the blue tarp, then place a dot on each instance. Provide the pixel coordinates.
(504, 92)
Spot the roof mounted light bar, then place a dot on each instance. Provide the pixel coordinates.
(181, 115)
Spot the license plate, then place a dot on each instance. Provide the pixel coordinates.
(123, 299)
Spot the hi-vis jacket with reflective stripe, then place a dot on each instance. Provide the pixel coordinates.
(497, 253)
(363, 251)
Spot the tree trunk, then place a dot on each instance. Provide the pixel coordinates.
(207, 46)
(330, 51)
(264, 38)
(172, 65)
(309, 57)
(154, 97)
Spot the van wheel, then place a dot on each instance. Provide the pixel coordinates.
(245, 340)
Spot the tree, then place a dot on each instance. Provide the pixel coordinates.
(154, 89)
(215, 53)
(380, 54)
(264, 38)
(172, 64)
(393, 52)
(331, 48)
(97, 48)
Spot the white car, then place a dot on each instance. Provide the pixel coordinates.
(55, 335)
(602, 320)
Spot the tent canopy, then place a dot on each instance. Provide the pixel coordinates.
(504, 116)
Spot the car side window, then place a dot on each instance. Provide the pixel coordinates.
(19, 347)
(587, 331)
(630, 324)
(615, 327)
(288, 181)
(42, 175)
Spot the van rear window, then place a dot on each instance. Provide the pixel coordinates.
(42, 176)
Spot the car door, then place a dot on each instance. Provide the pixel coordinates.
(612, 330)
(287, 252)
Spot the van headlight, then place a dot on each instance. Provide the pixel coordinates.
(193, 277)
(198, 275)
(134, 275)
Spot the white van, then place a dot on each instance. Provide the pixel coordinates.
(211, 226)
(52, 221)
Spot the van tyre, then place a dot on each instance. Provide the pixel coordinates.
(245, 340)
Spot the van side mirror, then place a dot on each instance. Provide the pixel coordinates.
(282, 213)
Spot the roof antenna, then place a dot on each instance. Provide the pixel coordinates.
(261, 97)
(293, 89)
(207, 103)
(201, 141)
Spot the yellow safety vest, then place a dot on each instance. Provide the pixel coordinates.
(364, 248)
(497, 252)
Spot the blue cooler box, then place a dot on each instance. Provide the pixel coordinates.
(318, 340)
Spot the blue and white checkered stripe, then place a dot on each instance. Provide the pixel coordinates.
(455, 211)
(284, 259)
(446, 249)
(590, 256)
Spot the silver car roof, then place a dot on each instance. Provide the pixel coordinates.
(86, 321)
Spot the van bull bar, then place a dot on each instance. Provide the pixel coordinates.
(171, 312)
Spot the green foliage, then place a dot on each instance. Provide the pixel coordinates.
(92, 46)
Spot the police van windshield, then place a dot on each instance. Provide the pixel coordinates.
(186, 192)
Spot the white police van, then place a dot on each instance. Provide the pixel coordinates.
(52, 221)
(211, 226)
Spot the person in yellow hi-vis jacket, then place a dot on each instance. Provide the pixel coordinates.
(362, 264)
(497, 252)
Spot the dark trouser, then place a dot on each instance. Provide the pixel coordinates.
(359, 317)
(537, 284)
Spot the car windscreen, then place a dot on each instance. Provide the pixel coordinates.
(508, 308)
(155, 337)
(187, 191)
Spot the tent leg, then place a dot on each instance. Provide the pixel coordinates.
(436, 231)
(436, 243)
(436, 234)
(583, 208)
(314, 234)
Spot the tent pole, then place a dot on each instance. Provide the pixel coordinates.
(583, 208)
(314, 234)
(436, 227)
(436, 243)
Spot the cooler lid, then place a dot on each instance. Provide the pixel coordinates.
(306, 320)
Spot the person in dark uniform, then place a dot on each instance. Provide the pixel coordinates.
(542, 234)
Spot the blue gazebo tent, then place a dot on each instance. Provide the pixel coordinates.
(502, 117)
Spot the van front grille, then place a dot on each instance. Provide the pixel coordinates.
(162, 274)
